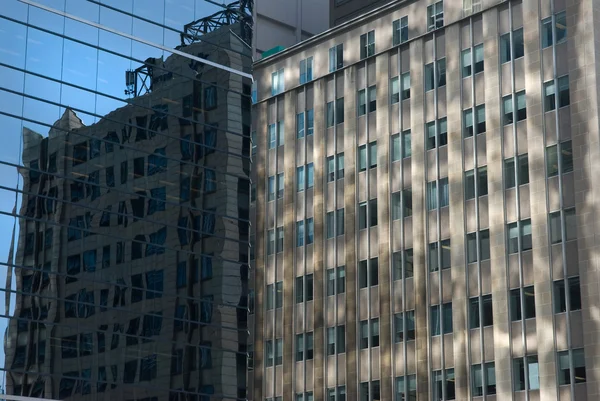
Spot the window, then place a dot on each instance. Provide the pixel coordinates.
(335, 223)
(507, 108)
(276, 134)
(300, 125)
(310, 175)
(277, 82)
(479, 66)
(374, 393)
(560, 296)
(338, 275)
(367, 340)
(330, 168)
(516, 312)
(482, 187)
(279, 244)
(517, 50)
(400, 88)
(300, 233)
(280, 186)
(400, 30)
(433, 198)
(439, 383)
(269, 353)
(565, 151)
(336, 340)
(441, 315)
(522, 171)
(362, 156)
(406, 388)
(519, 230)
(533, 378)
(435, 16)
(402, 268)
(271, 242)
(404, 326)
(479, 377)
(439, 252)
(402, 204)
(278, 294)
(560, 30)
(373, 154)
(484, 246)
(271, 188)
(340, 165)
(550, 94)
(341, 279)
(569, 220)
(486, 312)
(406, 144)
(395, 146)
(306, 67)
(299, 347)
(440, 137)
(310, 231)
(367, 219)
(367, 44)
(467, 65)
(367, 100)
(341, 393)
(335, 112)
(437, 78)
(301, 287)
(300, 178)
(469, 125)
(564, 371)
(368, 272)
(336, 57)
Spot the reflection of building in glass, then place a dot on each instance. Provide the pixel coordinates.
(132, 258)
(426, 206)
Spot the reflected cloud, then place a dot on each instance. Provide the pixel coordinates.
(104, 81)
(35, 42)
(12, 53)
(75, 72)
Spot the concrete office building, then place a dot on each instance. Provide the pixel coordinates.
(131, 261)
(426, 217)
(285, 23)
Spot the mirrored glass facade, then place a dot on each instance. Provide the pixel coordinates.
(124, 204)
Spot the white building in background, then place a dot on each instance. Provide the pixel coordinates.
(287, 22)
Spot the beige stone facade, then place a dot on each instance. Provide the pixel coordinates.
(477, 205)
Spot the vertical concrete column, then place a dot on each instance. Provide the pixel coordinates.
(350, 206)
(533, 128)
(289, 225)
(455, 169)
(583, 18)
(419, 210)
(383, 224)
(319, 243)
(496, 206)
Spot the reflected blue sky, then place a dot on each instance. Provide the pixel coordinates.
(65, 60)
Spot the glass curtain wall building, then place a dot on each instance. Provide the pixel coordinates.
(125, 198)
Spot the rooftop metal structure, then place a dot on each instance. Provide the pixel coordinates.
(239, 11)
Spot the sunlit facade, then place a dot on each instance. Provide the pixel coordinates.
(425, 206)
(127, 278)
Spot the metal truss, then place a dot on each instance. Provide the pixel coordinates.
(240, 11)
